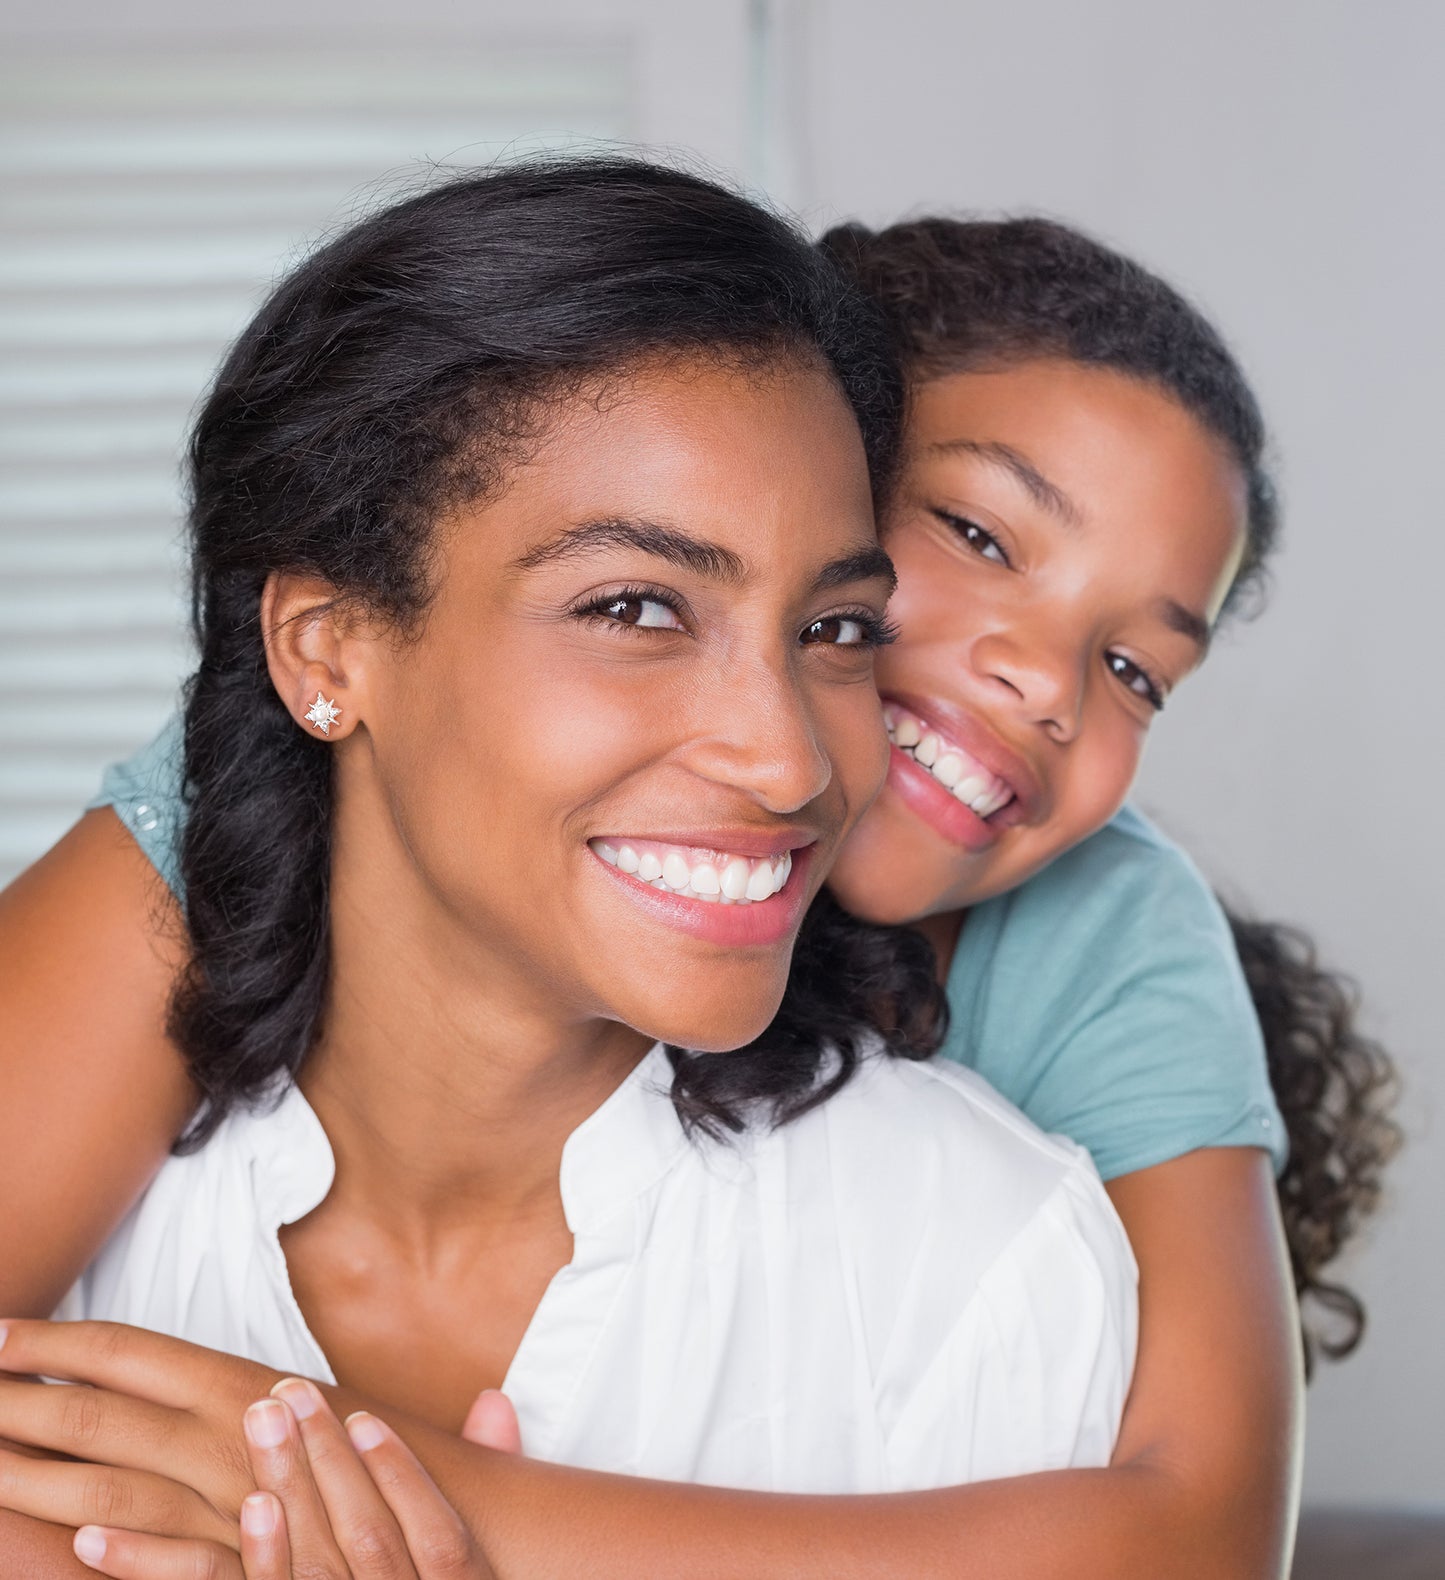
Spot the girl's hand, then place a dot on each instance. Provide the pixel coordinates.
(336, 1503)
(155, 1437)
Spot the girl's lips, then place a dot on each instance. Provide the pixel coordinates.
(922, 794)
(764, 924)
(957, 726)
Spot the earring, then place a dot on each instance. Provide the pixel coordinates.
(323, 714)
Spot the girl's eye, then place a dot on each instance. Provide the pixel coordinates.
(1136, 680)
(979, 539)
(849, 630)
(635, 608)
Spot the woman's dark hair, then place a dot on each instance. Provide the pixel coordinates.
(961, 294)
(390, 377)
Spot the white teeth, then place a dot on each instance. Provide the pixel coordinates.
(969, 782)
(948, 770)
(734, 881)
(717, 879)
(760, 883)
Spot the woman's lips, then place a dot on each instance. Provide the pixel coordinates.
(762, 923)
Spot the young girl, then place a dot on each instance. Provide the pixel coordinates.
(537, 588)
(1100, 991)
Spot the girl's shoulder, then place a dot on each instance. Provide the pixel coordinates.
(146, 793)
(1105, 996)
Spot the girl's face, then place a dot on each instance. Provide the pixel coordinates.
(1064, 538)
(617, 762)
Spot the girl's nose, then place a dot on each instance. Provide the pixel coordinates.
(1042, 681)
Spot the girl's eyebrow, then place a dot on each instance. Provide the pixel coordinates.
(1043, 492)
(1186, 623)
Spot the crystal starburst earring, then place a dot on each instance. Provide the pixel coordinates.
(323, 714)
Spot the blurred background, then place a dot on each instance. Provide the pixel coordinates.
(1280, 159)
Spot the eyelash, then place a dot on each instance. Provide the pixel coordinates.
(596, 609)
(963, 527)
(1154, 694)
(878, 631)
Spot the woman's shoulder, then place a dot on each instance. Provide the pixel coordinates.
(914, 1154)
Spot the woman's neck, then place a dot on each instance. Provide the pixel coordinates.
(447, 1081)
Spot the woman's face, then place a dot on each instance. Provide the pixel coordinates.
(640, 717)
(1064, 538)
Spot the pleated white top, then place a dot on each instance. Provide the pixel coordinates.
(908, 1287)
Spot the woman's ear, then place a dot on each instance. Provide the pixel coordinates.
(316, 656)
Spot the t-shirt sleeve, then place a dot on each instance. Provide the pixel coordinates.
(145, 793)
(1034, 1370)
(1105, 998)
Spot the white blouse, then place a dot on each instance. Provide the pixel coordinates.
(908, 1287)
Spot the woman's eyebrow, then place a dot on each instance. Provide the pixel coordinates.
(649, 537)
(1044, 493)
(864, 565)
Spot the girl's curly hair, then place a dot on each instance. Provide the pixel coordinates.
(1335, 1088)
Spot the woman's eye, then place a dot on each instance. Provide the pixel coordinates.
(1136, 680)
(636, 609)
(979, 539)
(848, 630)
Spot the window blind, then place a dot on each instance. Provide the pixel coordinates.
(147, 201)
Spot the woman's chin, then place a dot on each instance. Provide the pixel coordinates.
(709, 1022)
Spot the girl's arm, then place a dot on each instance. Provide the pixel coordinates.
(94, 1094)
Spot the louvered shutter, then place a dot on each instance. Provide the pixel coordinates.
(146, 203)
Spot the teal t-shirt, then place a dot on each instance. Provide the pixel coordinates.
(1103, 997)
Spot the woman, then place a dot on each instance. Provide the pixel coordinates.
(536, 595)
(1177, 1119)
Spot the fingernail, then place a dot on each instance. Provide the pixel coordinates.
(4, 1334)
(300, 1395)
(258, 1514)
(365, 1431)
(89, 1545)
(266, 1423)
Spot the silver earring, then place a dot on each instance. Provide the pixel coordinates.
(323, 714)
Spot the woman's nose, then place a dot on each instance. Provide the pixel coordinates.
(760, 736)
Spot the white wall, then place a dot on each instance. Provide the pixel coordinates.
(1282, 162)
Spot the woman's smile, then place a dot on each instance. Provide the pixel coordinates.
(714, 891)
